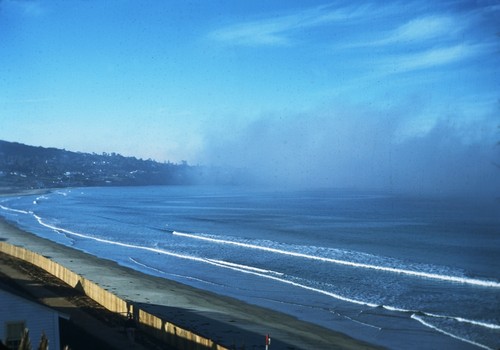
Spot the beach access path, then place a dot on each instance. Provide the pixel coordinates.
(225, 320)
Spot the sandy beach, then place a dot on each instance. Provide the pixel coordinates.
(225, 320)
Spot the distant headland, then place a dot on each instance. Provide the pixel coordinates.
(29, 167)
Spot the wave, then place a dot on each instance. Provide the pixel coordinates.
(464, 320)
(359, 322)
(268, 274)
(146, 266)
(292, 283)
(121, 244)
(223, 264)
(245, 267)
(427, 324)
(447, 278)
(14, 210)
(251, 270)
(171, 274)
(454, 318)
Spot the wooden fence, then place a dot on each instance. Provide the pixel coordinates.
(163, 329)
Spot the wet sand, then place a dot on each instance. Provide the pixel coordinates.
(225, 320)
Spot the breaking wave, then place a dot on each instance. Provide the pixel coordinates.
(447, 278)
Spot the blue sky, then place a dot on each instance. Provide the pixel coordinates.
(337, 93)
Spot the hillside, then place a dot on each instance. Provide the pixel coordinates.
(29, 167)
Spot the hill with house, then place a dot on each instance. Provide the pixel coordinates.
(30, 167)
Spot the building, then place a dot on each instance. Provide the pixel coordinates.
(18, 313)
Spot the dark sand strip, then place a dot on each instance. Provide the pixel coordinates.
(222, 319)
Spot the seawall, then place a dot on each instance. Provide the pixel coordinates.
(163, 329)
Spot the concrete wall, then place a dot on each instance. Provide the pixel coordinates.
(162, 329)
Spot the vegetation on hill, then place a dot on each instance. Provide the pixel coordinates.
(29, 167)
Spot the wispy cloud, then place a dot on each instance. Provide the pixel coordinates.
(423, 28)
(277, 30)
(432, 58)
(27, 7)
(425, 42)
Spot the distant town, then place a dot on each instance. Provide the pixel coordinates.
(29, 167)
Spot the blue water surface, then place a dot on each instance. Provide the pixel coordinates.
(377, 266)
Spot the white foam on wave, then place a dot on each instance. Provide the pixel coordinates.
(392, 308)
(362, 323)
(465, 320)
(203, 260)
(14, 210)
(463, 280)
(120, 244)
(246, 267)
(170, 274)
(455, 318)
(427, 324)
(269, 275)
(146, 266)
(350, 300)
(295, 284)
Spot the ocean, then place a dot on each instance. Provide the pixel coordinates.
(400, 271)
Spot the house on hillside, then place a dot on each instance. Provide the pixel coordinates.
(18, 313)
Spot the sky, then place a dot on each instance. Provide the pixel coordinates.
(393, 95)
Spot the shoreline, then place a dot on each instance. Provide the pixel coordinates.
(11, 192)
(223, 319)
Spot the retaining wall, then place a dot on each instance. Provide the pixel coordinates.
(160, 328)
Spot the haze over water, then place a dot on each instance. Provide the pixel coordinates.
(392, 96)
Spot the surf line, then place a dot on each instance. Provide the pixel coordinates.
(471, 281)
(203, 260)
(237, 267)
(14, 210)
(245, 267)
(427, 324)
(120, 244)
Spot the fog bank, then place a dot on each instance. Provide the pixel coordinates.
(357, 147)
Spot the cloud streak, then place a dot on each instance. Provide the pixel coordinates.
(424, 28)
(430, 58)
(28, 8)
(277, 30)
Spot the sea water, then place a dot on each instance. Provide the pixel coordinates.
(398, 271)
